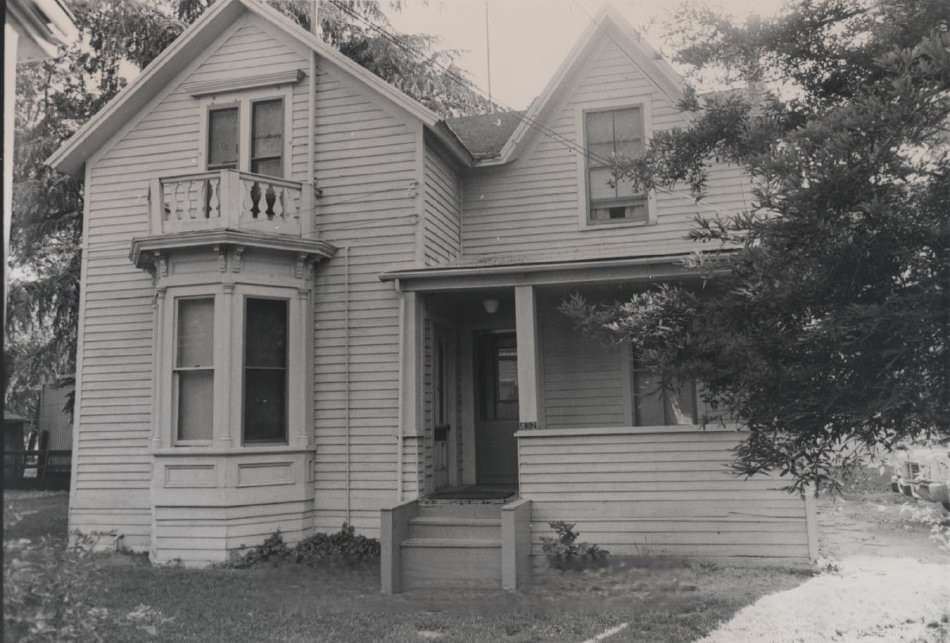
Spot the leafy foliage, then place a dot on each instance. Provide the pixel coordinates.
(344, 547)
(56, 97)
(564, 552)
(826, 330)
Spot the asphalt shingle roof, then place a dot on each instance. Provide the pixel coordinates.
(484, 135)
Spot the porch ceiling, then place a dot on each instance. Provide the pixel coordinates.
(497, 275)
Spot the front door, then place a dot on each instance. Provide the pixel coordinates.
(496, 374)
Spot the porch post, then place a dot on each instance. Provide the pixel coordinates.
(526, 327)
(410, 387)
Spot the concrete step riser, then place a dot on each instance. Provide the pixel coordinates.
(472, 510)
(436, 530)
(471, 567)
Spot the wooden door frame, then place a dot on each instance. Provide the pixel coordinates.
(442, 328)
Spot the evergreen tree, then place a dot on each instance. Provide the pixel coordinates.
(820, 317)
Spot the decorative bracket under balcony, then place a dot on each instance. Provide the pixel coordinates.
(151, 253)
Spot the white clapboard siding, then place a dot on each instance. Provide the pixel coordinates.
(531, 207)
(112, 461)
(583, 378)
(365, 164)
(662, 493)
(442, 210)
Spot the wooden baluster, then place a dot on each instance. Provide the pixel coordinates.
(203, 198)
(247, 198)
(166, 201)
(190, 199)
(214, 202)
(180, 211)
(278, 207)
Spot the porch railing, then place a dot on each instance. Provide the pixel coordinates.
(230, 199)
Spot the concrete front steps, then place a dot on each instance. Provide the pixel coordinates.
(453, 543)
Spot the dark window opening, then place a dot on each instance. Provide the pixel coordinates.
(265, 371)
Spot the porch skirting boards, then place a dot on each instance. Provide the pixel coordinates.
(639, 491)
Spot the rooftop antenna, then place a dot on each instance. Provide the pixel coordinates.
(491, 103)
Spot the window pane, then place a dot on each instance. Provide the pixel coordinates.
(265, 404)
(600, 154)
(265, 371)
(265, 338)
(628, 127)
(600, 127)
(267, 127)
(195, 333)
(223, 137)
(268, 167)
(600, 188)
(648, 400)
(680, 405)
(195, 404)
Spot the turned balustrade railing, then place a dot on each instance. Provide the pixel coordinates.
(230, 199)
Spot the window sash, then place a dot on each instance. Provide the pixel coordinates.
(607, 138)
(265, 376)
(267, 138)
(194, 369)
(220, 155)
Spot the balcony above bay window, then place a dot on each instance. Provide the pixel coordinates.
(232, 200)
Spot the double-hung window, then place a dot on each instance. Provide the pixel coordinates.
(249, 136)
(193, 372)
(611, 135)
(223, 135)
(265, 370)
(267, 137)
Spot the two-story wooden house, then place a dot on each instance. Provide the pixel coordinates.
(307, 299)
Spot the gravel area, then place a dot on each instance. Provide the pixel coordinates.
(885, 580)
(867, 599)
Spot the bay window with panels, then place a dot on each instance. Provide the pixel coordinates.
(236, 371)
(610, 135)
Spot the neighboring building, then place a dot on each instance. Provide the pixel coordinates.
(32, 29)
(53, 419)
(307, 299)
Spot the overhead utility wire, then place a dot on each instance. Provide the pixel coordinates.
(467, 84)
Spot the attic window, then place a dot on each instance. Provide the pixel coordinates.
(611, 135)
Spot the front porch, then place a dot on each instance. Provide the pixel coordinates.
(499, 391)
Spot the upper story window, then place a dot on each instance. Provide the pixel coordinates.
(223, 135)
(267, 137)
(612, 134)
(247, 133)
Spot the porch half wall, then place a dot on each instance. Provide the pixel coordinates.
(642, 492)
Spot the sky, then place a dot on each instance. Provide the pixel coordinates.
(530, 38)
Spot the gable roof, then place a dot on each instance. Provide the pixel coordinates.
(186, 48)
(485, 134)
(608, 24)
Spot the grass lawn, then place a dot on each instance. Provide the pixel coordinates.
(118, 597)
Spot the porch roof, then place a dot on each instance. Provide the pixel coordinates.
(463, 276)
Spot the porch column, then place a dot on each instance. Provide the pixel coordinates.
(411, 325)
(526, 328)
